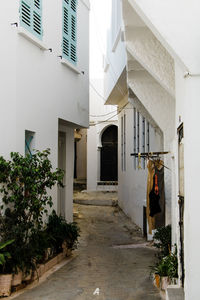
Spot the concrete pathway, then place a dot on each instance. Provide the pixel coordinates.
(98, 198)
(100, 270)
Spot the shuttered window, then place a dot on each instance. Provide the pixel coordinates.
(69, 48)
(31, 16)
(29, 142)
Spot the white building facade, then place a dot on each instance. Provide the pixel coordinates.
(138, 131)
(45, 82)
(163, 63)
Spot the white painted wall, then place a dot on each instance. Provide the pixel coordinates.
(174, 23)
(133, 181)
(115, 60)
(82, 155)
(178, 35)
(36, 88)
(153, 85)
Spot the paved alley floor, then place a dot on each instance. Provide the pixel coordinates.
(102, 269)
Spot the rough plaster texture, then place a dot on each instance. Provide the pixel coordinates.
(120, 274)
(147, 50)
(174, 23)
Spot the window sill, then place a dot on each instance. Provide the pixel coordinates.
(23, 32)
(66, 63)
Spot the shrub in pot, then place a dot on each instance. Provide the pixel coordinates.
(162, 240)
(167, 269)
(72, 233)
(5, 271)
(25, 182)
(62, 234)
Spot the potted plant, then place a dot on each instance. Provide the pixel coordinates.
(162, 240)
(63, 235)
(167, 270)
(72, 233)
(24, 185)
(5, 274)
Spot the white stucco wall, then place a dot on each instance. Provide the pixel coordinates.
(115, 60)
(36, 88)
(82, 155)
(133, 181)
(177, 33)
(187, 110)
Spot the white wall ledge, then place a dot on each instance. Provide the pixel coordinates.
(30, 37)
(66, 63)
(117, 39)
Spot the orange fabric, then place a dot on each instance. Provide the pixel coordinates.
(156, 185)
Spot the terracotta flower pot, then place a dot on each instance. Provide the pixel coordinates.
(5, 284)
(17, 278)
(48, 252)
(50, 264)
(60, 257)
(157, 280)
(26, 277)
(165, 281)
(68, 252)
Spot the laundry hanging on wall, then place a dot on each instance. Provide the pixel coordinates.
(155, 194)
(155, 206)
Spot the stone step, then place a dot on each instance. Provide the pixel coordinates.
(175, 293)
(96, 202)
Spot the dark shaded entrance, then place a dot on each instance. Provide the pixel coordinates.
(109, 169)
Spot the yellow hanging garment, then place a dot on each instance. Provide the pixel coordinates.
(151, 172)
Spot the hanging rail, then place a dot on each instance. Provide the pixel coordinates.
(148, 154)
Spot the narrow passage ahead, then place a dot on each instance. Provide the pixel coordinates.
(101, 269)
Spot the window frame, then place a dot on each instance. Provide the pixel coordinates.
(31, 17)
(69, 30)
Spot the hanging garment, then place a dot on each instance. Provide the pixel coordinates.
(151, 171)
(159, 171)
(154, 197)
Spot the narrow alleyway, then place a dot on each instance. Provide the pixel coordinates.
(100, 265)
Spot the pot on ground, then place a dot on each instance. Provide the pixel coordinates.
(165, 281)
(68, 252)
(5, 284)
(17, 278)
(157, 280)
(26, 276)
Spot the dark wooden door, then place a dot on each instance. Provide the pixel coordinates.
(109, 157)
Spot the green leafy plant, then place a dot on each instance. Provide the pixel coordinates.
(162, 240)
(72, 232)
(4, 255)
(59, 231)
(167, 266)
(25, 182)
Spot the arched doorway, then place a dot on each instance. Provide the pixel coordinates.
(109, 166)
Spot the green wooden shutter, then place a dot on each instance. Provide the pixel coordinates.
(37, 18)
(69, 30)
(31, 16)
(25, 14)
